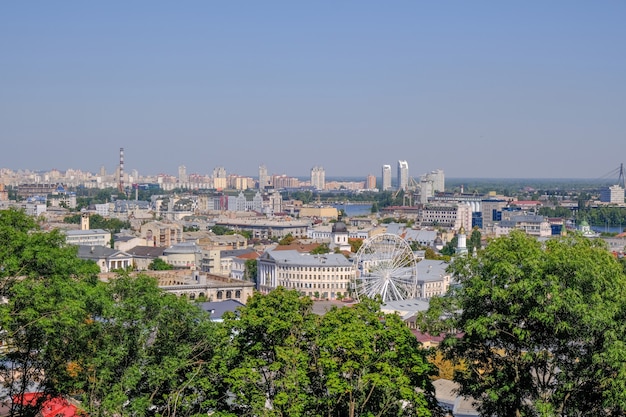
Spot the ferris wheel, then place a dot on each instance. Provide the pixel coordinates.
(386, 266)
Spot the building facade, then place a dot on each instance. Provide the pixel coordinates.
(437, 178)
(263, 177)
(531, 224)
(325, 276)
(91, 237)
(318, 178)
(386, 177)
(403, 175)
(612, 195)
(447, 215)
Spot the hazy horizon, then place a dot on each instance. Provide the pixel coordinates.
(478, 89)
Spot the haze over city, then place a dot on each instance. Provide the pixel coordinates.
(478, 89)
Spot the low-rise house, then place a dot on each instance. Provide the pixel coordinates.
(126, 242)
(238, 268)
(51, 407)
(217, 309)
(91, 237)
(326, 276)
(532, 225)
(183, 255)
(195, 285)
(162, 233)
(107, 259)
(432, 278)
(267, 229)
(143, 256)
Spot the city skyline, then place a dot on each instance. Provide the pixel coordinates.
(480, 90)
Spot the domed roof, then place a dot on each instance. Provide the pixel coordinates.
(340, 227)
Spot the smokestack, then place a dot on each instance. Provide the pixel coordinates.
(121, 181)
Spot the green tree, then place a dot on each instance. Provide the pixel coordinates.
(251, 270)
(430, 253)
(474, 241)
(220, 230)
(287, 240)
(353, 361)
(245, 233)
(355, 244)
(25, 250)
(122, 347)
(542, 327)
(320, 250)
(147, 353)
(96, 221)
(159, 264)
(450, 248)
(268, 362)
(45, 285)
(369, 363)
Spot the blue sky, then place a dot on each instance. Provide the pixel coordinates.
(533, 89)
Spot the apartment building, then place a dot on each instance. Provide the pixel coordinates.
(325, 276)
(161, 234)
(403, 175)
(533, 225)
(386, 177)
(432, 278)
(91, 237)
(447, 215)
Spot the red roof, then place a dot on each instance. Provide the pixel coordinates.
(53, 407)
(249, 255)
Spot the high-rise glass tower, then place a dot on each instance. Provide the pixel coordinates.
(386, 177)
(403, 175)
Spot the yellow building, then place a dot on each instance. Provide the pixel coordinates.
(319, 212)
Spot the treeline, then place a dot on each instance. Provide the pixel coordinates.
(603, 216)
(596, 216)
(126, 348)
(96, 221)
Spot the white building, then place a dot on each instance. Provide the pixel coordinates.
(448, 215)
(183, 255)
(403, 175)
(532, 225)
(91, 237)
(107, 259)
(263, 177)
(386, 177)
(613, 195)
(432, 278)
(325, 276)
(240, 203)
(437, 178)
(318, 178)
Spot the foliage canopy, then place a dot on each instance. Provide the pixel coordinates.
(542, 327)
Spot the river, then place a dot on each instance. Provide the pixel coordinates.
(354, 210)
